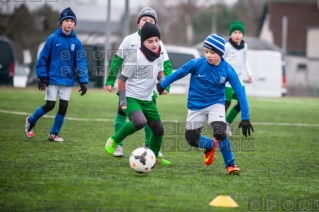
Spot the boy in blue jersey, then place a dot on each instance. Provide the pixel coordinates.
(206, 100)
(60, 59)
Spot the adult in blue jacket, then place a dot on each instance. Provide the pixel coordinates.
(61, 58)
(206, 101)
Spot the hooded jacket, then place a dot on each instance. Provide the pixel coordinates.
(61, 58)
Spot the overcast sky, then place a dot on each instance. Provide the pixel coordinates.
(96, 9)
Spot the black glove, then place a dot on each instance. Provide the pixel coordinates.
(83, 89)
(245, 125)
(160, 89)
(43, 83)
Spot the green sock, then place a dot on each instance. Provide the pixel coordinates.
(148, 134)
(125, 131)
(231, 115)
(118, 124)
(155, 144)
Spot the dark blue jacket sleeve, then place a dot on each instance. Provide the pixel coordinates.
(239, 91)
(81, 65)
(178, 74)
(42, 64)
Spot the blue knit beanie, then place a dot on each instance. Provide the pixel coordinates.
(216, 43)
(67, 13)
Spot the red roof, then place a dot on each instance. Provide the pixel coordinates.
(300, 16)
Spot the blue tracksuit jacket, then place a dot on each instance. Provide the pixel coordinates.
(61, 58)
(207, 84)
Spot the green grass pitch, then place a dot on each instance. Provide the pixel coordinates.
(279, 160)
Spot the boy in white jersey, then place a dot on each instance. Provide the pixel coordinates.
(206, 99)
(236, 56)
(128, 48)
(135, 84)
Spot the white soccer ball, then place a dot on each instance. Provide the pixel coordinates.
(142, 160)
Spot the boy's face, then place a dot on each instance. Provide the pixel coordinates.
(212, 57)
(237, 36)
(152, 44)
(67, 25)
(145, 19)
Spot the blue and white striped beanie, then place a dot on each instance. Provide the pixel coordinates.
(216, 43)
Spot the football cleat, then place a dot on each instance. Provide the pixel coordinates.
(118, 151)
(210, 154)
(160, 155)
(233, 170)
(55, 137)
(162, 161)
(110, 146)
(29, 128)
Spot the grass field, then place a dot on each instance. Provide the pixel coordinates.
(278, 162)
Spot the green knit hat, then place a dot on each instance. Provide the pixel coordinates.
(237, 25)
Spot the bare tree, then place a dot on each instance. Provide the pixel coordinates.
(249, 12)
(174, 19)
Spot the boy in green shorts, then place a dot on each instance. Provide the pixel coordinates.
(128, 47)
(135, 84)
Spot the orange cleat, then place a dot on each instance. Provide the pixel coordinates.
(210, 155)
(233, 170)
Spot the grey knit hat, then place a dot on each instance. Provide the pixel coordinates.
(147, 11)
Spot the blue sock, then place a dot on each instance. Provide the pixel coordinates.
(38, 113)
(58, 122)
(205, 142)
(225, 149)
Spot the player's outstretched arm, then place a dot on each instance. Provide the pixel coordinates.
(179, 74)
(115, 67)
(245, 124)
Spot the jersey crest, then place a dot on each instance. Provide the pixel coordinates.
(222, 80)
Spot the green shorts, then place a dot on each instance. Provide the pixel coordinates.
(230, 93)
(148, 108)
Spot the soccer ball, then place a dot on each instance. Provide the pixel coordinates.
(142, 160)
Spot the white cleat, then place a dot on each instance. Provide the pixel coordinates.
(29, 131)
(55, 137)
(118, 151)
(160, 155)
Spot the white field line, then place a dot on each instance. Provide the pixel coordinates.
(290, 101)
(107, 120)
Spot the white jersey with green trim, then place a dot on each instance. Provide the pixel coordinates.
(238, 60)
(142, 76)
(132, 43)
